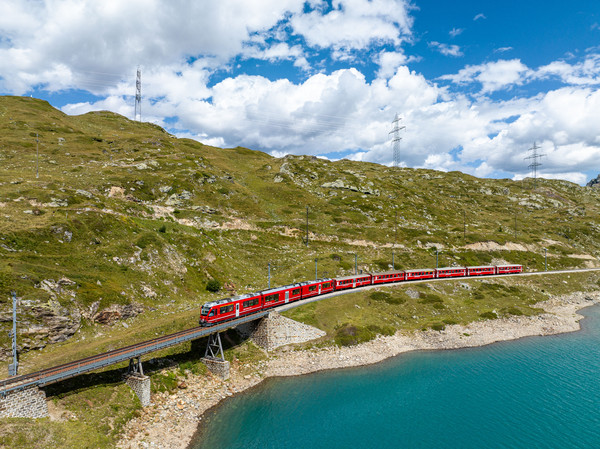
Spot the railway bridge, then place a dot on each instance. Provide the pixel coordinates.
(21, 396)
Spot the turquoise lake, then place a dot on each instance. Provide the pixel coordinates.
(537, 392)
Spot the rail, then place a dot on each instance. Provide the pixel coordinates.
(72, 369)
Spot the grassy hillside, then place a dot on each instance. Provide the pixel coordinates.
(117, 238)
(124, 213)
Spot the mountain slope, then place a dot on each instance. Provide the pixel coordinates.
(125, 219)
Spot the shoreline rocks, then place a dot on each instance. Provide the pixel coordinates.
(171, 420)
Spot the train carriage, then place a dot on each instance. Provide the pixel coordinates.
(388, 277)
(357, 280)
(481, 270)
(506, 269)
(281, 295)
(229, 308)
(449, 272)
(423, 273)
(318, 287)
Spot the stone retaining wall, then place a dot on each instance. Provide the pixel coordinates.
(29, 403)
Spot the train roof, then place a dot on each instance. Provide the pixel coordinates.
(419, 270)
(231, 299)
(509, 265)
(354, 276)
(278, 289)
(388, 272)
(482, 266)
(316, 281)
(451, 268)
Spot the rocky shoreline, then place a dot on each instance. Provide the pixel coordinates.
(172, 419)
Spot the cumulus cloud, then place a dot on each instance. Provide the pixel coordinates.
(354, 24)
(586, 72)
(492, 76)
(61, 43)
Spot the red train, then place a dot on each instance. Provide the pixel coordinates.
(230, 308)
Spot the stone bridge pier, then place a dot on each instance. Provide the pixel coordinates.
(138, 382)
(27, 403)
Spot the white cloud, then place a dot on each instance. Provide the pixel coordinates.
(104, 41)
(480, 16)
(493, 76)
(446, 49)
(455, 32)
(389, 62)
(354, 24)
(586, 72)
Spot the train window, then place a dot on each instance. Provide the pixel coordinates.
(251, 302)
(271, 298)
(326, 285)
(212, 312)
(296, 291)
(312, 288)
(226, 309)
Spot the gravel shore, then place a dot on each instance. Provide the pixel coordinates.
(172, 419)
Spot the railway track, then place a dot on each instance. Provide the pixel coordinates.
(72, 369)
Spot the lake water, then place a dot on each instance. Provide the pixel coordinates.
(538, 392)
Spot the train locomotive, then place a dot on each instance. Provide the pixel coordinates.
(226, 309)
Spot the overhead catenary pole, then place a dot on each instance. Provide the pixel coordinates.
(546, 259)
(316, 269)
(37, 155)
(395, 239)
(355, 264)
(269, 274)
(436, 258)
(14, 367)
(307, 226)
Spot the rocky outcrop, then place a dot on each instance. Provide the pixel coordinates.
(366, 189)
(117, 312)
(594, 182)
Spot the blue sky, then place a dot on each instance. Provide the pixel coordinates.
(476, 83)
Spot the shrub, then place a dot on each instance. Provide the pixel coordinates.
(488, 315)
(163, 229)
(386, 297)
(514, 311)
(213, 286)
(438, 326)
